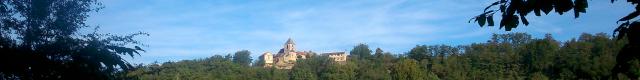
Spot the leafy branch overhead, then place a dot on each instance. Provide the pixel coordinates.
(41, 40)
(515, 11)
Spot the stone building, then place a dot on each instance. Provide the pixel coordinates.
(337, 56)
(287, 56)
(268, 59)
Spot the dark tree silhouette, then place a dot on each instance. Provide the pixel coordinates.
(378, 53)
(39, 40)
(361, 51)
(515, 11)
(420, 52)
(242, 57)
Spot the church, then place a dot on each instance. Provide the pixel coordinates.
(287, 56)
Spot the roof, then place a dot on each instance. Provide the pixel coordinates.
(289, 41)
(334, 53)
(265, 53)
(301, 53)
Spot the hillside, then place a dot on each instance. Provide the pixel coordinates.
(505, 56)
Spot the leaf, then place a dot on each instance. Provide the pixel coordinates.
(546, 6)
(537, 11)
(526, 7)
(537, 6)
(502, 22)
(508, 28)
(576, 14)
(524, 20)
(502, 8)
(630, 16)
(490, 20)
(513, 7)
(512, 23)
(562, 6)
(579, 7)
(515, 21)
(481, 20)
(634, 1)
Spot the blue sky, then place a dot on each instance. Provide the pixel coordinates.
(192, 29)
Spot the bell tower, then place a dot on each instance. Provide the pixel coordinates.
(289, 46)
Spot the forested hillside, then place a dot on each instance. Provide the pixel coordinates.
(505, 56)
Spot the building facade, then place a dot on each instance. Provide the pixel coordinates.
(287, 56)
(337, 56)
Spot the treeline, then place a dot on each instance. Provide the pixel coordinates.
(511, 56)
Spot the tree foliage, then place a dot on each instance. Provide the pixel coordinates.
(361, 51)
(515, 11)
(242, 57)
(39, 39)
(512, 56)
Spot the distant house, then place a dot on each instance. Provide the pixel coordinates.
(287, 56)
(268, 59)
(337, 56)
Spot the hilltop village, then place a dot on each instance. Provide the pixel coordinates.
(287, 56)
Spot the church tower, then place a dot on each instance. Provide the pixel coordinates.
(289, 46)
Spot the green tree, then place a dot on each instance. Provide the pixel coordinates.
(515, 11)
(280, 74)
(376, 68)
(39, 39)
(378, 52)
(538, 56)
(242, 57)
(372, 70)
(259, 62)
(336, 71)
(303, 70)
(512, 56)
(420, 52)
(361, 51)
(408, 69)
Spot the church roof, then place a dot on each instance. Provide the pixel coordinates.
(301, 53)
(289, 41)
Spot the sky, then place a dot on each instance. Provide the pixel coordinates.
(195, 29)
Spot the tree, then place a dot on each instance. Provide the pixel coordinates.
(515, 11)
(242, 57)
(339, 72)
(304, 70)
(361, 51)
(259, 61)
(420, 52)
(538, 55)
(512, 56)
(372, 70)
(39, 40)
(408, 69)
(378, 52)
